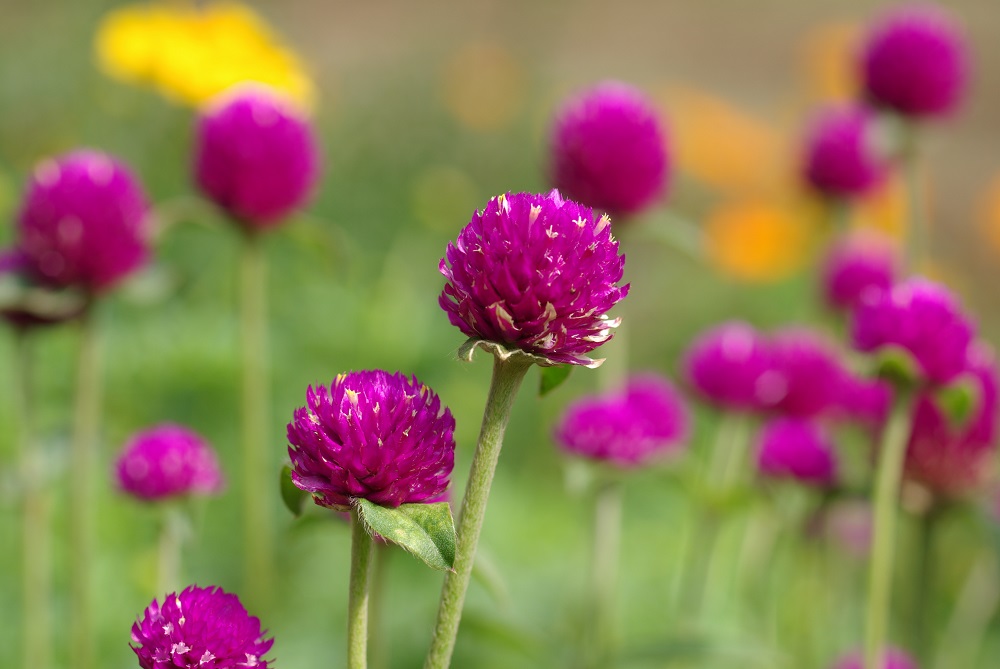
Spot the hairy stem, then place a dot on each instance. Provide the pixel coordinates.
(362, 551)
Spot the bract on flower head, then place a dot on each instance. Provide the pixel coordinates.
(535, 273)
(255, 155)
(373, 435)
(197, 629)
(82, 222)
(609, 150)
(626, 428)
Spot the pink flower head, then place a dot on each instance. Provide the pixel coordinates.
(168, 461)
(894, 659)
(807, 376)
(797, 449)
(255, 156)
(537, 273)
(923, 318)
(865, 401)
(200, 628)
(627, 428)
(841, 159)
(952, 460)
(609, 150)
(858, 265)
(915, 61)
(729, 366)
(82, 222)
(372, 435)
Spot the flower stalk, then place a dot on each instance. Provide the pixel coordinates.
(604, 572)
(362, 552)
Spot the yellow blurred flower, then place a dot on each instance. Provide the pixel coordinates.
(190, 54)
(829, 62)
(884, 209)
(989, 213)
(483, 86)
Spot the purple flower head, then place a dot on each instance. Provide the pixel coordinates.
(168, 461)
(894, 659)
(915, 61)
(728, 365)
(609, 150)
(797, 449)
(255, 156)
(628, 428)
(82, 222)
(951, 460)
(841, 159)
(374, 435)
(537, 273)
(862, 263)
(923, 318)
(865, 400)
(201, 628)
(806, 376)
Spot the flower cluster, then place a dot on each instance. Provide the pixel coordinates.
(793, 448)
(168, 461)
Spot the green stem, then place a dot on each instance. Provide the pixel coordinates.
(507, 377)
(378, 641)
(35, 520)
(917, 247)
(974, 608)
(257, 528)
(604, 574)
(362, 551)
(889, 473)
(81, 497)
(923, 586)
(172, 524)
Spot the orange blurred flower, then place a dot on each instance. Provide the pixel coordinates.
(483, 86)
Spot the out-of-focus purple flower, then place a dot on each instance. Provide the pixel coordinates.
(255, 156)
(858, 265)
(923, 318)
(895, 658)
(537, 273)
(806, 373)
(797, 449)
(915, 61)
(82, 222)
(609, 150)
(372, 435)
(200, 628)
(728, 365)
(168, 461)
(35, 305)
(841, 157)
(626, 428)
(952, 460)
(865, 400)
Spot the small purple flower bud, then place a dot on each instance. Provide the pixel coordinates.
(807, 374)
(168, 461)
(627, 428)
(841, 158)
(915, 61)
(82, 222)
(255, 156)
(952, 460)
(923, 318)
(609, 150)
(894, 659)
(857, 265)
(797, 449)
(729, 366)
(197, 629)
(372, 435)
(537, 273)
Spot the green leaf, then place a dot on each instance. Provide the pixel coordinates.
(959, 400)
(898, 366)
(291, 495)
(552, 378)
(426, 530)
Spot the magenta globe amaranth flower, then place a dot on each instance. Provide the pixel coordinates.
(862, 264)
(168, 461)
(894, 658)
(82, 222)
(806, 377)
(842, 159)
(382, 437)
(255, 156)
(921, 317)
(797, 449)
(915, 61)
(536, 273)
(609, 150)
(729, 366)
(199, 628)
(626, 428)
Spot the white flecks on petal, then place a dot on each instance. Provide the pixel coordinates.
(533, 215)
(603, 222)
(179, 648)
(207, 657)
(168, 628)
(580, 221)
(251, 660)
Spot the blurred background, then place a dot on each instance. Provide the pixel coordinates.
(425, 110)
